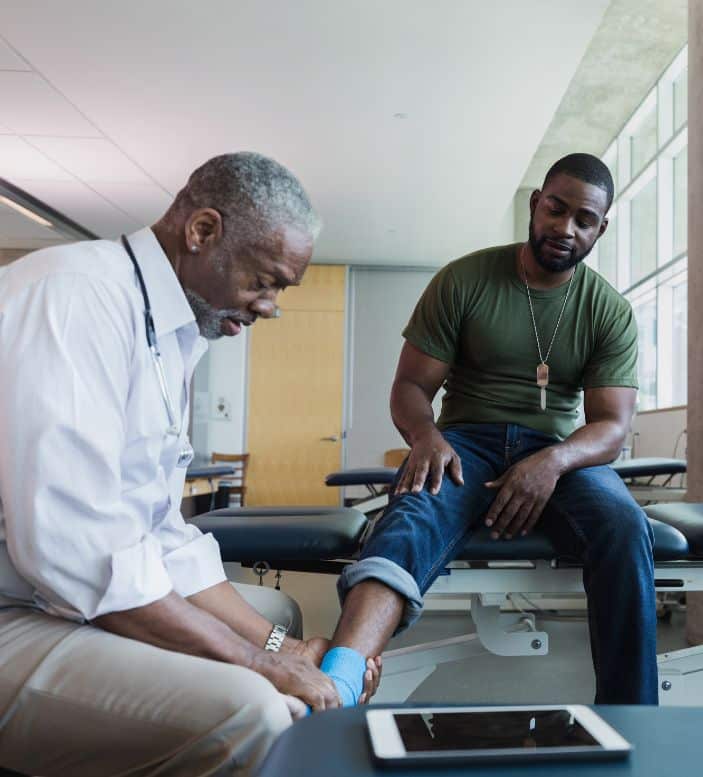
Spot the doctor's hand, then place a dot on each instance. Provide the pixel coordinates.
(523, 492)
(316, 647)
(296, 675)
(429, 457)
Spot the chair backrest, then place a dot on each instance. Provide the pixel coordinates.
(236, 483)
(395, 457)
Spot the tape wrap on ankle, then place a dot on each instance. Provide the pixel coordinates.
(346, 668)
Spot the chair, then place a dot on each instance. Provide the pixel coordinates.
(395, 457)
(234, 489)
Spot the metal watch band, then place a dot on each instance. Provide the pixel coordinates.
(276, 638)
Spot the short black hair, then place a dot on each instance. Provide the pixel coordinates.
(587, 168)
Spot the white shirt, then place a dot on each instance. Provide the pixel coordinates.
(90, 490)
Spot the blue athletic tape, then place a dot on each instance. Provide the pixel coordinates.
(346, 669)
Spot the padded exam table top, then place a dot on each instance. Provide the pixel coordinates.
(309, 534)
(209, 471)
(647, 466)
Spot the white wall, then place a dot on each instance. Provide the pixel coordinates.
(219, 398)
(381, 304)
(660, 433)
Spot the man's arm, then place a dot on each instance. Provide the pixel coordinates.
(417, 380)
(177, 624)
(527, 486)
(226, 604)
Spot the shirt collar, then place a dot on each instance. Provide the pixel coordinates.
(169, 305)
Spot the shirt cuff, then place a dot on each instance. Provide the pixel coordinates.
(138, 578)
(195, 566)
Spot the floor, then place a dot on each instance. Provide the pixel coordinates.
(564, 675)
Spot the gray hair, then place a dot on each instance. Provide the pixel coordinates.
(254, 194)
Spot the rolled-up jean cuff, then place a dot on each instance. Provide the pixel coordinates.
(389, 573)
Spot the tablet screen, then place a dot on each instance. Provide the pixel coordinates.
(521, 729)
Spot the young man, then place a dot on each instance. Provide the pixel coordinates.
(514, 334)
(124, 648)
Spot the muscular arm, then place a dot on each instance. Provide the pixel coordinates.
(525, 488)
(417, 380)
(608, 417)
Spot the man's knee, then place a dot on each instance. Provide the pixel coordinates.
(628, 528)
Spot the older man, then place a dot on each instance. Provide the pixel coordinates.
(123, 649)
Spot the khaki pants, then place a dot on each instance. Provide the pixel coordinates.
(76, 701)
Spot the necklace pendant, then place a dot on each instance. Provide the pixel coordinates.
(543, 382)
(542, 375)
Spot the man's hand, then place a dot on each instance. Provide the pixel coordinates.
(524, 490)
(429, 457)
(316, 647)
(297, 676)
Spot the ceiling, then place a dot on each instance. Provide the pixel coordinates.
(411, 124)
(636, 41)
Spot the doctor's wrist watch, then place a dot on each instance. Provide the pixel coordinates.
(276, 637)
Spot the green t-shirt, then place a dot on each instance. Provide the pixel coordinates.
(474, 315)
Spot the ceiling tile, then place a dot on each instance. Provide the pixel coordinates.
(91, 159)
(80, 203)
(30, 106)
(145, 202)
(18, 160)
(9, 60)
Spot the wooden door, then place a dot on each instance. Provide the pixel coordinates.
(295, 394)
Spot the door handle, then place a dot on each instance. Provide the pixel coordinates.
(331, 438)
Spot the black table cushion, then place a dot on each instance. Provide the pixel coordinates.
(684, 516)
(375, 476)
(320, 533)
(669, 545)
(210, 471)
(285, 533)
(648, 467)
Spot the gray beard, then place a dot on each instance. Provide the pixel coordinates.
(208, 319)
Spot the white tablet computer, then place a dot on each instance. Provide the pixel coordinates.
(465, 734)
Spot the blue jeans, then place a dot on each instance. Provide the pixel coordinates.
(591, 517)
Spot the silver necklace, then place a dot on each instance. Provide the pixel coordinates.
(543, 367)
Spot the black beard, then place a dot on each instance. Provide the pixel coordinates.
(554, 265)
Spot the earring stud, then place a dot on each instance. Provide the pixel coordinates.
(193, 249)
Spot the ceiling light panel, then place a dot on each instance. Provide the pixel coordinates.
(30, 106)
(17, 227)
(84, 206)
(26, 212)
(92, 160)
(20, 162)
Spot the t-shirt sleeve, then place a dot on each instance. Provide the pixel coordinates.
(614, 360)
(435, 325)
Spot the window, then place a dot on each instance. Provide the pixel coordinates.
(643, 232)
(643, 251)
(680, 97)
(681, 201)
(645, 310)
(679, 361)
(608, 252)
(643, 142)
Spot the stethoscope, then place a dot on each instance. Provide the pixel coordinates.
(175, 426)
